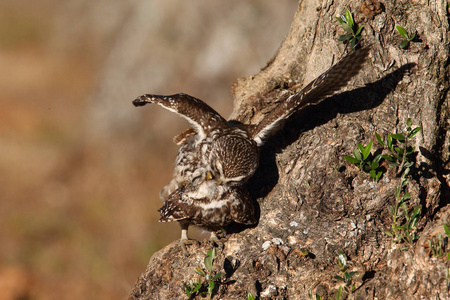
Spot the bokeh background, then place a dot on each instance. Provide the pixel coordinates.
(80, 167)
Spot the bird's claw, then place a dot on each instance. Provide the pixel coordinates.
(185, 242)
(215, 241)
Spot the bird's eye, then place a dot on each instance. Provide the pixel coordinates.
(209, 176)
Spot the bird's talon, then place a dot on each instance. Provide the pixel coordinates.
(185, 242)
(215, 241)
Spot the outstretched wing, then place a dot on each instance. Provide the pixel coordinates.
(325, 85)
(200, 115)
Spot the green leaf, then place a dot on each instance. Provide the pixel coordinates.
(392, 210)
(318, 297)
(398, 136)
(448, 255)
(408, 122)
(388, 157)
(379, 175)
(447, 230)
(187, 289)
(197, 287)
(340, 20)
(339, 293)
(352, 44)
(379, 139)
(209, 263)
(411, 36)
(389, 141)
(406, 196)
(402, 31)
(408, 164)
(413, 223)
(414, 132)
(404, 44)
(399, 152)
(358, 32)
(404, 180)
(366, 150)
(216, 276)
(375, 165)
(199, 271)
(397, 193)
(402, 201)
(349, 18)
(361, 148)
(389, 233)
(339, 278)
(377, 158)
(342, 260)
(357, 154)
(347, 28)
(345, 37)
(351, 159)
(416, 212)
(410, 150)
(373, 174)
(250, 296)
(350, 275)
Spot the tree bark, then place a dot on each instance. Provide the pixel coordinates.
(309, 197)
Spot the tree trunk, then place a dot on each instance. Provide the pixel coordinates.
(310, 197)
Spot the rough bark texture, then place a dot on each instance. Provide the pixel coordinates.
(308, 195)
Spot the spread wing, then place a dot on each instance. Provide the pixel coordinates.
(199, 114)
(325, 85)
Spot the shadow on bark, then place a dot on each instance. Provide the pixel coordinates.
(363, 98)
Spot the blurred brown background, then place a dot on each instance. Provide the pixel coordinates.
(80, 167)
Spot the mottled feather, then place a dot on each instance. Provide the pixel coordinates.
(325, 85)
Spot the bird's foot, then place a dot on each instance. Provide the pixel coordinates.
(215, 241)
(184, 242)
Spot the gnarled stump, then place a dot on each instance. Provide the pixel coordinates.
(308, 195)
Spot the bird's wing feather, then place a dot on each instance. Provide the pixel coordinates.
(324, 85)
(199, 114)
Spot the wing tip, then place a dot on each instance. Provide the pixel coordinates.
(141, 101)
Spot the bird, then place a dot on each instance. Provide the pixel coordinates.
(214, 149)
(217, 157)
(208, 206)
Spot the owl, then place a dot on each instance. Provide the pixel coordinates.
(210, 206)
(217, 157)
(213, 150)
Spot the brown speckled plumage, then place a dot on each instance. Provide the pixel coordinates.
(216, 157)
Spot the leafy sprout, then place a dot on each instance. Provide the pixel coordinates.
(353, 31)
(447, 232)
(407, 37)
(346, 277)
(399, 148)
(206, 287)
(365, 161)
(402, 228)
